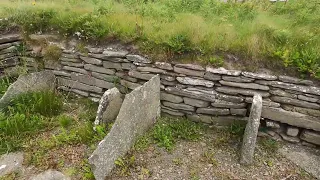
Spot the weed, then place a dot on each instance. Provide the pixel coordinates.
(270, 145)
(5, 83)
(52, 53)
(209, 157)
(177, 161)
(124, 164)
(65, 121)
(216, 61)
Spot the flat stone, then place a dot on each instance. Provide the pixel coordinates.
(74, 69)
(61, 73)
(265, 102)
(128, 66)
(129, 84)
(239, 91)
(10, 163)
(105, 77)
(90, 60)
(168, 83)
(163, 65)
(138, 59)
(8, 55)
(6, 45)
(70, 60)
(105, 57)
(225, 104)
(52, 65)
(223, 71)
(293, 80)
(195, 102)
(139, 75)
(125, 76)
(305, 143)
(188, 72)
(213, 111)
(251, 131)
(70, 56)
(239, 79)
(170, 97)
(109, 53)
(178, 106)
(50, 175)
(94, 68)
(87, 79)
(167, 78)
(9, 38)
(81, 93)
(173, 113)
(95, 50)
(245, 85)
(292, 118)
(259, 76)
(151, 70)
(8, 62)
(33, 82)
(292, 131)
(295, 102)
(190, 66)
(79, 65)
(299, 88)
(306, 98)
(272, 124)
(77, 85)
(195, 82)
(310, 136)
(138, 113)
(289, 138)
(279, 92)
(212, 77)
(10, 49)
(238, 112)
(109, 107)
(112, 65)
(311, 112)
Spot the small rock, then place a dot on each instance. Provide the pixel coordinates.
(50, 175)
(292, 131)
(289, 138)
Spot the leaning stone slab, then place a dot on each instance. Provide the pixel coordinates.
(188, 72)
(311, 136)
(195, 82)
(295, 102)
(223, 71)
(292, 118)
(239, 91)
(10, 163)
(259, 76)
(50, 175)
(138, 113)
(293, 80)
(109, 107)
(251, 131)
(39, 81)
(245, 85)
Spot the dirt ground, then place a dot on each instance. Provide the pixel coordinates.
(211, 157)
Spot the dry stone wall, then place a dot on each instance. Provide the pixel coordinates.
(291, 106)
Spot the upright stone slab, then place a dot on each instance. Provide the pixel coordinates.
(251, 132)
(138, 113)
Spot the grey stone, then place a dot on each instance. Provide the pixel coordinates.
(306, 98)
(10, 163)
(72, 64)
(245, 85)
(163, 65)
(213, 111)
(311, 112)
(128, 66)
(225, 104)
(13, 61)
(178, 106)
(138, 59)
(212, 77)
(138, 113)
(239, 79)
(223, 71)
(292, 131)
(296, 102)
(74, 69)
(279, 92)
(238, 112)
(105, 77)
(77, 85)
(8, 50)
(9, 38)
(139, 75)
(171, 111)
(195, 102)
(52, 65)
(38, 81)
(191, 66)
(219, 121)
(272, 124)
(87, 79)
(299, 88)
(305, 143)
(61, 73)
(170, 97)
(70, 56)
(292, 118)
(129, 84)
(112, 65)
(70, 60)
(81, 93)
(96, 100)
(310, 136)
(188, 72)
(109, 53)
(126, 77)
(167, 78)
(96, 95)
(8, 55)
(109, 107)
(259, 76)
(5, 46)
(105, 57)
(95, 50)
(265, 102)
(251, 131)
(293, 80)
(151, 69)
(50, 175)
(94, 68)
(239, 91)
(195, 82)
(90, 60)
(289, 138)
(168, 83)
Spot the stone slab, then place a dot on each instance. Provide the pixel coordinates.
(245, 85)
(99, 69)
(223, 71)
(239, 91)
(170, 97)
(295, 102)
(188, 72)
(195, 102)
(311, 136)
(259, 76)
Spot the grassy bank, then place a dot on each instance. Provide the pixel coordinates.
(287, 33)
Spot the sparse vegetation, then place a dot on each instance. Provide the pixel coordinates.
(276, 35)
(52, 53)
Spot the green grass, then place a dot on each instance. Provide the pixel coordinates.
(5, 83)
(276, 35)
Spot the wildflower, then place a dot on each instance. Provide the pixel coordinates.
(34, 2)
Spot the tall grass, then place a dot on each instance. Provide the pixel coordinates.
(255, 30)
